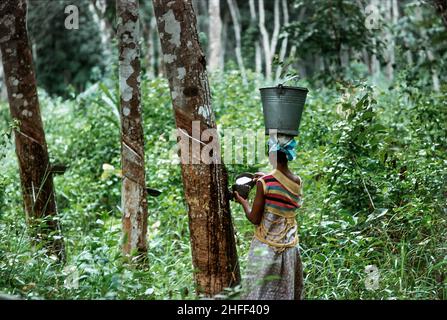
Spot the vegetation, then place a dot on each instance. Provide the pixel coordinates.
(371, 152)
(360, 143)
(55, 46)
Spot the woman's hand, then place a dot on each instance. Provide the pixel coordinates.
(254, 214)
(242, 201)
(258, 175)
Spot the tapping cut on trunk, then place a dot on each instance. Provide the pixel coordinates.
(205, 185)
(36, 174)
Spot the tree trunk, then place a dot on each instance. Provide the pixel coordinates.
(283, 51)
(276, 27)
(160, 62)
(434, 73)
(258, 57)
(31, 148)
(148, 48)
(235, 17)
(215, 35)
(3, 91)
(226, 20)
(429, 53)
(375, 64)
(441, 6)
(98, 18)
(265, 41)
(134, 196)
(392, 11)
(99, 10)
(205, 182)
(157, 56)
(153, 41)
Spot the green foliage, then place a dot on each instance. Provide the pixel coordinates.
(376, 195)
(421, 38)
(356, 137)
(55, 46)
(327, 28)
(372, 161)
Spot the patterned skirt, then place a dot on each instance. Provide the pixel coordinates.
(273, 274)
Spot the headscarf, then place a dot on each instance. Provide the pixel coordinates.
(284, 144)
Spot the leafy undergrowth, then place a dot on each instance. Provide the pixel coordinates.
(373, 163)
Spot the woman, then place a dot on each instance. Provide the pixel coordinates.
(274, 269)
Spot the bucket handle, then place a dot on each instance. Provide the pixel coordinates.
(280, 87)
(288, 79)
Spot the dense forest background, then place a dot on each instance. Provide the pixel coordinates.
(371, 151)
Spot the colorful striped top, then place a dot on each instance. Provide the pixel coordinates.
(278, 227)
(282, 195)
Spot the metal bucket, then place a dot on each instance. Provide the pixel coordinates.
(283, 107)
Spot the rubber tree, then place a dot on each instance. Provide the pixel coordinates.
(269, 45)
(285, 39)
(253, 22)
(235, 17)
(205, 183)
(215, 35)
(31, 147)
(3, 92)
(134, 194)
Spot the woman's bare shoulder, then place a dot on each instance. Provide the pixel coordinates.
(291, 176)
(296, 179)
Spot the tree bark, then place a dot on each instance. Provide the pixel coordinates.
(157, 56)
(100, 8)
(213, 246)
(98, 17)
(3, 91)
(225, 20)
(148, 59)
(392, 16)
(283, 51)
(235, 17)
(258, 57)
(154, 41)
(375, 64)
(31, 147)
(215, 35)
(276, 27)
(429, 53)
(134, 195)
(265, 41)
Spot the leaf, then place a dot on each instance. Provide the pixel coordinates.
(149, 291)
(380, 212)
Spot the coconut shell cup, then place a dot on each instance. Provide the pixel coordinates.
(244, 189)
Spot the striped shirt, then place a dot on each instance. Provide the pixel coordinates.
(282, 195)
(278, 227)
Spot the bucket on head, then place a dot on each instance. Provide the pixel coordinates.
(283, 107)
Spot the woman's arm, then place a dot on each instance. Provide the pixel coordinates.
(255, 214)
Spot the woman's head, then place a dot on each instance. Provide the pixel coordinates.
(281, 149)
(278, 157)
